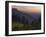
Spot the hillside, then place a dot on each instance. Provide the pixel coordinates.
(24, 18)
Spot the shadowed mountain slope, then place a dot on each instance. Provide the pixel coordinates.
(24, 17)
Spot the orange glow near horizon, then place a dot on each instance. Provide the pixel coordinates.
(28, 9)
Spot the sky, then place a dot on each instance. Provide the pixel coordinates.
(28, 9)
